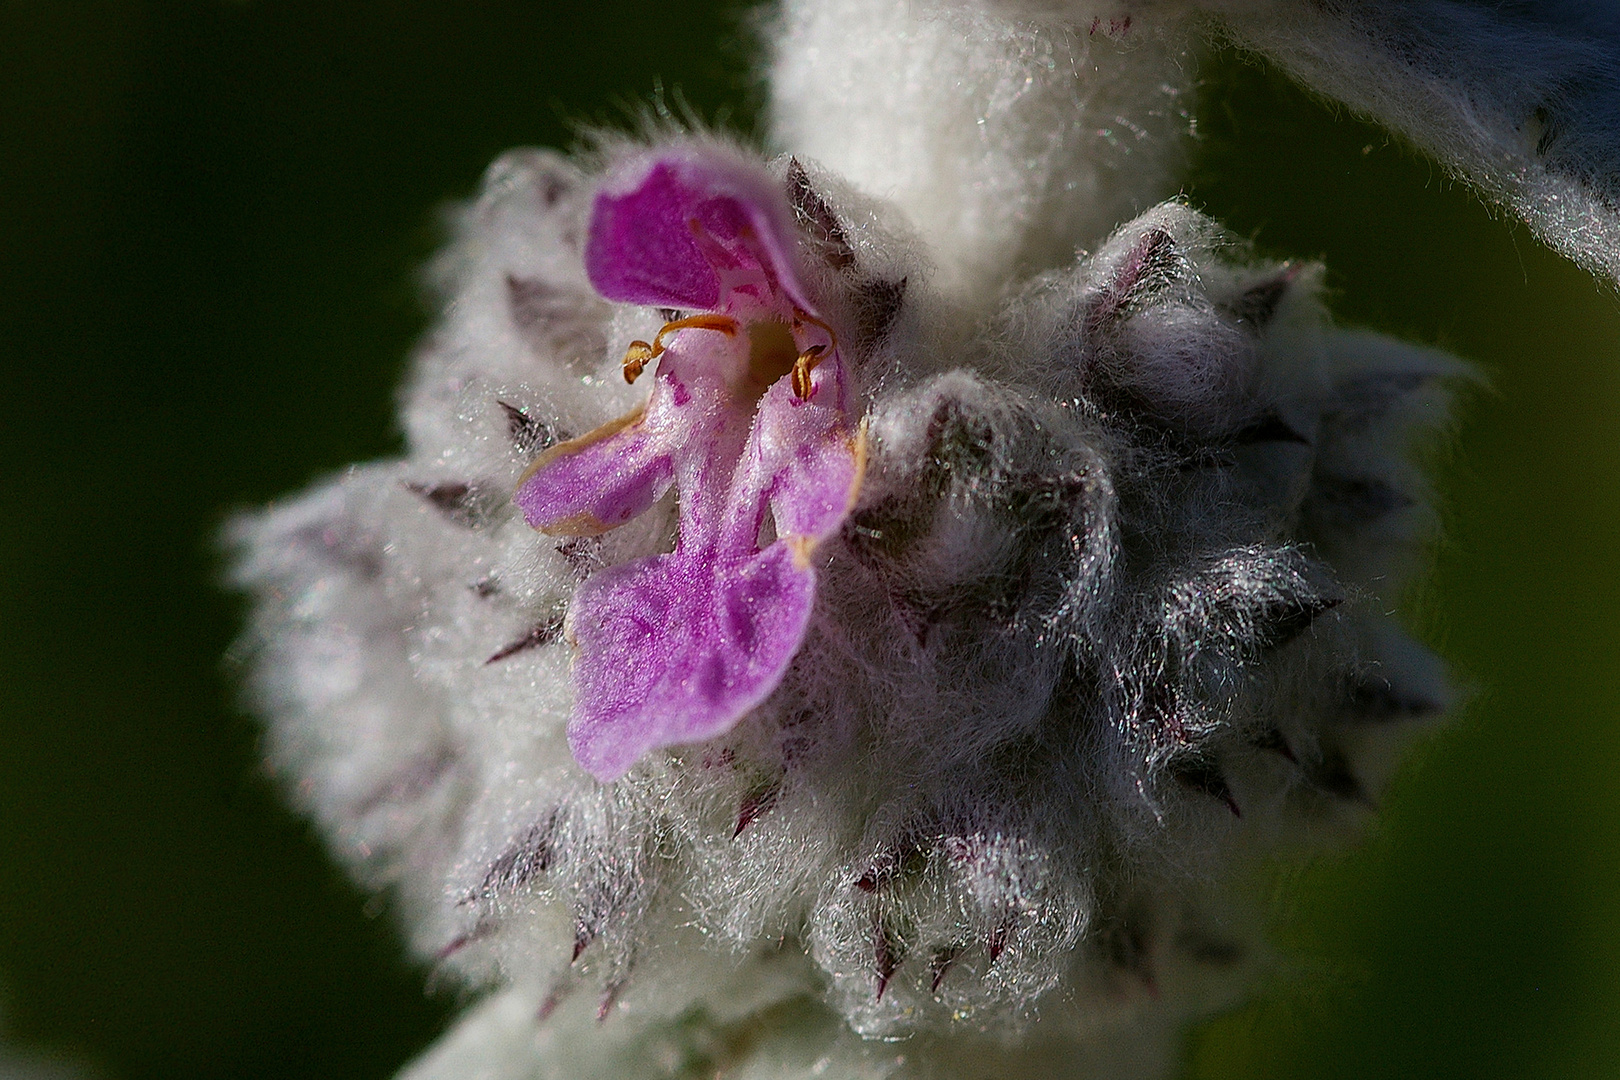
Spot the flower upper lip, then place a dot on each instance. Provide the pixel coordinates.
(739, 242)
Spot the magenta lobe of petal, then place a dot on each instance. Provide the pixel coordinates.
(675, 650)
(596, 482)
(811, 464)
(667, 229)
(817, 487)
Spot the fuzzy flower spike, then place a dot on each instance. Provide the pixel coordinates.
(749, 412)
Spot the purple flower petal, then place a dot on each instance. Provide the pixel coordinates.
(678, 648)
(596, 482)
(686, 228)
(675, 650)
(811, 464)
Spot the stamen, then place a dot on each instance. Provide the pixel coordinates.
(636, 358)
(802, 367)
(640, 353)
(802, 317)
(724, 324)
(809, 358)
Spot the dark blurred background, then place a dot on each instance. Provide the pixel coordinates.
(211, 219)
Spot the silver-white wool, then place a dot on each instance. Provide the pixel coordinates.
(1009, 129)
(1115, 579)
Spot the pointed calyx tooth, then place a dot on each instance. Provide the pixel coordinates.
(564, 316)
(1274, 740)
(337, 543)
(755, 804)
(1257, 305)
(1200, 773)
(1128, 946)
(528, 857)
(886, 953)
(554, 997)
(542, 633)
(584, 934)
(1000, 935)
(529, 434)
(1373, 697)
(610, 994)
(1334, 775)
(817, 218)
(1149, 265)
(1278, 624)
(1268, 427)
(907, 858)
(460, 502)
(1256, 599)
(878, 304)
(1362, 399)
(412, 782)
(606, 887)
(940, 963)
(1345, 504)
(482, 929)
(1272, 620)
(532, 300)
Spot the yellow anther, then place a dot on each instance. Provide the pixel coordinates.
(809, 358)
(802, 367)
(636, 358)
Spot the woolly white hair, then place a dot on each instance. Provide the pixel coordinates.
(1521, 99)
(1105, 626)
(1012, 130)
(1007, 142)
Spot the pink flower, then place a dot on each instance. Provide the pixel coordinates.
(749, 413)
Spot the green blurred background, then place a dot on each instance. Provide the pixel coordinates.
(211, 215)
